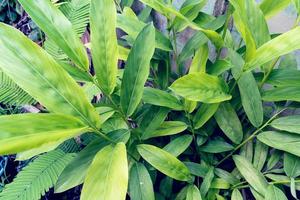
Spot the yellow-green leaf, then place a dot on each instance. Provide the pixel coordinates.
(281, 45)
(137, 70)
(40, 75)
(204, 113)
(104, 43)
(27, 131)
(252, 176)
(193, 193)
(164, 162)
(107, 177)
(201, 87)
(272, 7)
(58, 28)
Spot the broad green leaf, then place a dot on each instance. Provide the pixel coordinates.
(169, 10)
(219, 183)
(193, 193)
(236, 195)
(107, 177)
(207, 182)
(41, 76)
(284, 77)
(252, 175)
(216, 146)
(104, 43)
(197, 169)
(137, 70)
(291, 165)
(132, 26)
(251, 99)
(260, 155)
(178, 145)
(272, 7)
(281, 45)
(84, 158)
(289, 123)
(167, 128)
(204, 113)
(58, 28)
(140, 183)
(290, 93)
(229, 122)
(27, 131)
(164, 162)
(274, 193)
(281, 140)
(161, 98)
(201, 87)
(200, 59)
(251, 23)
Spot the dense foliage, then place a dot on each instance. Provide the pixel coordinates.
(136, 116)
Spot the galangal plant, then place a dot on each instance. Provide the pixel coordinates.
(143, 119)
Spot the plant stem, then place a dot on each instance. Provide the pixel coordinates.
(253, 135)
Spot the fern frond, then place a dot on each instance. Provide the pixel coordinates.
(36, 178)
(12, 94)
(77, 11)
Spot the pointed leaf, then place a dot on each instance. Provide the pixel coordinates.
(204, 113)
(252, 175)
(41, 76)
(229, 122)
(137, 70)
(201, 87)
(272, 7)
(164, 162)
(291, 165)
(26, 131)
(193, 193)
(274, 193)
(289, 123)
(236, 195)
(178, 145)
(140, 183)
(107, 177)
(58, 28)
(104, 43)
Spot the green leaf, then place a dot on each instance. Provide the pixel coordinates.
(229, 122)
(26, 131)
(137, 70)
(207, 182)
(281, 140)
(272, 7)
(84, 158)
(107, 177)
(178, 145)
(260, 155)
(140, 183)
(252, 175)
(274, 193)
(164, 162)
(289, 123)
(161, 98)
(204, 113)
(104, 43)
(284, 77)
(275, 48)
(216, 146)
(236, 195)
(58, 28)
(291, 165)
(251, 23)
(282, 94)
(169, 10)
(193, 193)
(40, 76)
(166, 128)
(37, 177)
(201, 87)
(200, 59)
(251, 99)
